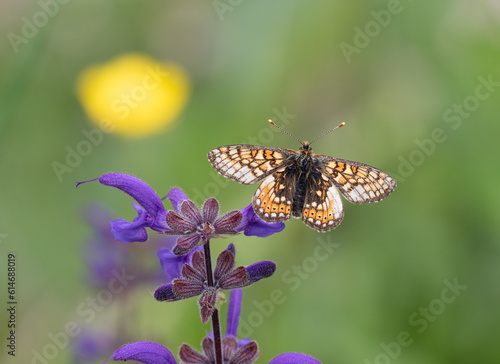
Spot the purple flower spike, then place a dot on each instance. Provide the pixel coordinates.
(145, 352)
(193, 280)
(252, 225)
(294, 358)
(151, 212)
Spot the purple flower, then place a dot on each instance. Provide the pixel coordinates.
(294, 358)
(144, 352)
(172, 264)
(152, 214)
(195, 228)
(252, 225)
(193, 280)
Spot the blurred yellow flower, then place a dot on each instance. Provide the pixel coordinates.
(133, 94)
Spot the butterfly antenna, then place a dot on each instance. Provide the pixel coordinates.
(328, 132)
(284, 131)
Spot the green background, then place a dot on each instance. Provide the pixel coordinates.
(400, 94)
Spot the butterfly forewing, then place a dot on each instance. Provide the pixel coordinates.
(358, 182)
(247, 164)
(273, 199)
(323, 208)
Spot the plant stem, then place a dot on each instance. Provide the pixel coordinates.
(215, 314)
(217, 338)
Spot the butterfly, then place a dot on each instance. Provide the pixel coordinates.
(301, 183)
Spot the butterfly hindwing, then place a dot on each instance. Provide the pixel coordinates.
(273, 199)
(358, 182)
(247, 164)
(323, 208)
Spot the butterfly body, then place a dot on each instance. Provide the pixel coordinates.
(300, 183)
(302, 164)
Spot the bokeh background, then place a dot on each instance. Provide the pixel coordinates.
(417, 83)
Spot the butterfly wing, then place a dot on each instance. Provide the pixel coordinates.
(323, 208)
(272, 201)
(248, 164)
(358, 182)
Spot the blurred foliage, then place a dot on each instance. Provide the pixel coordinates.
(417, 85)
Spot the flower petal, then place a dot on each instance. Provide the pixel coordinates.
(224, 264)
(194, 274)
(227, 223)
(186, 288)
(229, 347)
(145, 352)
(179, 223)
(233, 312)
(246, 354)
(128, 232)
(189, 356)
(252, 225)
(188, 241)
(198, 262)
(171, 263)
(210, 210)
(189, 210)
(294, 358)
(176, 196)
(208, 348)
(236, 279)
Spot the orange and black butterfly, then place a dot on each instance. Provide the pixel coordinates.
(296, 183)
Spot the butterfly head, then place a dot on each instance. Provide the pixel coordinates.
(305, 148)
